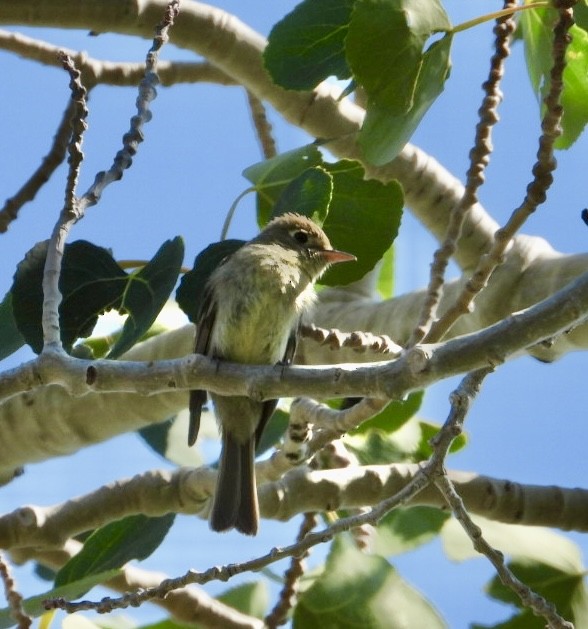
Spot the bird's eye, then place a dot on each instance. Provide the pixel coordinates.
(301, 236)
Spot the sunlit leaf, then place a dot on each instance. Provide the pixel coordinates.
(537, 28)
(395, 414)
(364, 218)
(385, 48)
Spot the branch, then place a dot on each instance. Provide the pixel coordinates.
(418, 484)
(43, 173)
(536, 190)
(97, 71)
(290, 588)
(188, 605)
(63, 424)
(479, 159)
(147, 92)
(13, 597)
(69, 215)
(187, 490)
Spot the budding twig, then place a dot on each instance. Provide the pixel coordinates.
(14, 598)
(479, 159)
(358, 341)
(536, 191)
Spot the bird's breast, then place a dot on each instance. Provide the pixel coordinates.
(256, 313)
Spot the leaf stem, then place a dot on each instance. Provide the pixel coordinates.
(464, 26)
(231, 212)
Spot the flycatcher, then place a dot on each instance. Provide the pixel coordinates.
(253, 305)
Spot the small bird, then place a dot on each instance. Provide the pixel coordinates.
(252, 307)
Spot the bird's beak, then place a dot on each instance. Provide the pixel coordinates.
(333, 256)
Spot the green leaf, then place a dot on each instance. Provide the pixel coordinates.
(428, 431)
(364, 218)
(581, 14)
(273, 432)
(384, 47)
(361, 590)
(91, 282)
(146, 292)
(386, 275)
(385, 132)
(403, 530)
(548, 562)
(309, 194)
(524, 543)
(567, 591)
(113, 545)
(307, 45)
(33, 606)
(191, 289)
(156, 435)
(394, 415)
(169, 624)
(537, 28)
(377, 448)
(250, 598)
(272, 176)
(364, 214)
(10, 338)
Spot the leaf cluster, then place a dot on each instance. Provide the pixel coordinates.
(383, 46)
(91, 283)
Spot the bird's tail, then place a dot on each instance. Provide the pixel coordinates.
(235, 502)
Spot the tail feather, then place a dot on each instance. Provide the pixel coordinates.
(235, 502)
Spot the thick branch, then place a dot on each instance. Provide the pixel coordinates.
(187, 491)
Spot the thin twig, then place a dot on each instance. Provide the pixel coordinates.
(262, 126)
(223, 573)
(528, 598)
(14, 598)
(147, 92)
(289, 592)
(461, 400)
(536, 190)
(358, 341)
(43, 173)
(69, 215)
(479, 159)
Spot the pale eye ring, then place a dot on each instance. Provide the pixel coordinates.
(300, 236)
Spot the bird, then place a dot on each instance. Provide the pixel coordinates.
(252, 306)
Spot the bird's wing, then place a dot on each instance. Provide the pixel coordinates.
(269, 406)
(204, 329)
